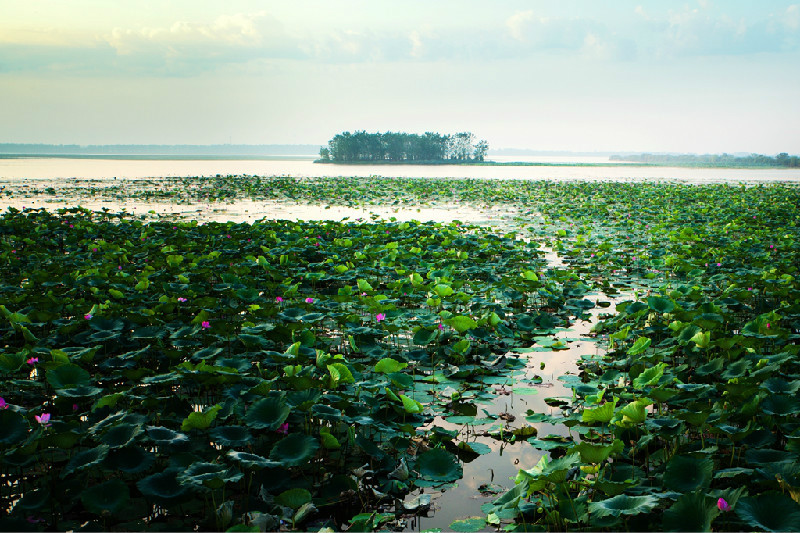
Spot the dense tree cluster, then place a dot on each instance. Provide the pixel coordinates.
(390, 146)
(714, 160)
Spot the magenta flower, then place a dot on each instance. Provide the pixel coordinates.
(3, 404)
(441, 327)
(182, 299)
(723, 506)
(74, 406)
(380, 316)
(94, 249)
(205, 324)
(88, 316)
(44, 418)
(278, 299)
(309, 300)
(284, 428)
(33, 360)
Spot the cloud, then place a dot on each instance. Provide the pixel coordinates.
(792, 17)
(250, 41)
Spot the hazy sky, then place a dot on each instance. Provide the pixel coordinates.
(699, 76)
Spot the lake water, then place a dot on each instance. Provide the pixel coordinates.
(303, 166)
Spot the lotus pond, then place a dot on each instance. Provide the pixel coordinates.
(169, 374)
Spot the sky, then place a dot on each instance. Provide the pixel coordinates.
(707, 76)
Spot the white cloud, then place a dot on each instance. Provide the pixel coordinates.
(517, 24)
(792, 17)
(417, 48)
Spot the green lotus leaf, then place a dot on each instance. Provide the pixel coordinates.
(388, 365)
(10, 362)
(640, 346)
(769, 512)
(649, 377)
(206, 353)
(208, 475)
(81, 391)
(660, 304)
(13, 427)
(121, 435)
(294, 498)
(623, 505)
(461, 323)
(439, 465)
(603, 413)
(688, 474)
(780, 405)
(326, 412)
(231, 435)
(340, 374)
(106, 324)
(163, 487)
(34, 500)
(251, 461)
(106, 498)
(129, 459)
(201, 420)
(781, 386)
(410, 405)
(85, 459)
(268, 413)
(66, 376)
(693, 511)
(295, 449)
(475, 523)
(166, 437)
(595, 453)
(424, 336)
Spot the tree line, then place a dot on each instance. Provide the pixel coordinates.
(714, 160)
(391, 146)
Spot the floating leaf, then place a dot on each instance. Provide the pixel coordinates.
(438, 465)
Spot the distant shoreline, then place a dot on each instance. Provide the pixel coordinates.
(307, 157)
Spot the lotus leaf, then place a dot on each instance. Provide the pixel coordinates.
(770, 512)
(687, 474)
(294, 449)
(623, 505)
(438, 465)
(106, 498)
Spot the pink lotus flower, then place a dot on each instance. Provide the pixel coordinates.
(44, 418)
(33, 360)
(3, 404)
(380, 316)
(278, 299)
(205, 324)
(309, 300)
(182, 299)
(284, 428)
(88, 316)
(723, 506)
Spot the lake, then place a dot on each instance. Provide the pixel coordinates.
(303, 166)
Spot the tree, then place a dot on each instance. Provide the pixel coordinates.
(324, 154)
(480, 150)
